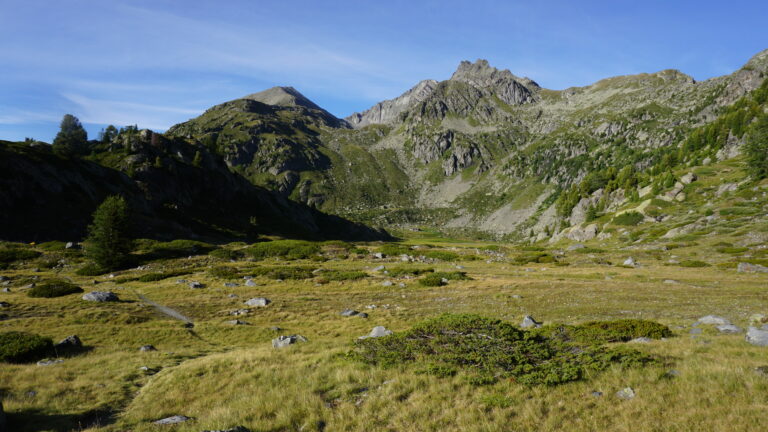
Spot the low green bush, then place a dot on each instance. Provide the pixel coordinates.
(606, 331)
(534, 257)
(21, 347)
(223, 272)
(488, 349)
(439, 278)
(90, 269)
(693, 263)
(289, 249)
(395, 249)
(732, 250)
(628, 219)
(337, 275)
(226, 254)
(9, 255)
(54, 288)
(179, 248)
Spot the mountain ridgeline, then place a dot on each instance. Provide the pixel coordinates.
(485, 152)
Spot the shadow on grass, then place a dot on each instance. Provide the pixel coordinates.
(35, 420)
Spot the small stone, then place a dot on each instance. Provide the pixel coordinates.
(196, 285)
(378, 331)
(236, 322)
(349, 313)
(258, 301)
(386, 283)
(147, 348)
(101, 296)
(529, 322)
(70, 342)
(49, 362)
(4, 304)
(240, 312)
(379, 268)
(696, 331)
(751, 268)
(362, 315)
(233, 296)
(643, 340)
(672, 373)
(250, 283)
(713, 320)
(626, 393)
(230, 285)
(379, 255)
(729, 329)
(6, 290)
(172, 420)
(275, 328)
(671, 281)
(596, 394)
(284, 341)
(630, 262)
(516, 296)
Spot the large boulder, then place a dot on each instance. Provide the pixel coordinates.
(258, 301)
(713, 320)
(101, 296)
(758, 337)
(284, 341)
(529, 322)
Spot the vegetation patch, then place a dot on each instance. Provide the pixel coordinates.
(441, 255)
(408, 271)
(90, 269)
(338, 275)
(179, 248)
(693, 263)
(490, 349)
(441, 278)
(295, 273)
(9, 255)
(606, 331)
(20, 347)
(226, 254)
(153, 277)
(628, 219)
(54, 288)
(534, 257)
(395, 249)
(288, 249)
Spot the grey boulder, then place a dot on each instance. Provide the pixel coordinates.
(69, 342)
(349, 312)
(729, 329)
(378, 331)
(258, 301)
(172, 420)
(757, 337)
(284, 341)
(529, 322)
(147, 348)
(713, 320)
(101, 296)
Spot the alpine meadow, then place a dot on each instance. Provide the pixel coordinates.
(478, 253)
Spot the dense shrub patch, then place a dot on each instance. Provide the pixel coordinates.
(289, 249)
(693, 263)
(19, 347)
(534, 257)
(628, 218)
(490, 349)
(337, 275)
(90, 269)
(226, 254)
(606, 331)
(9, 255)
(54, 288)
(224, 272)
(179, 248)
(439, 278)
(284, 272)
(153, 277)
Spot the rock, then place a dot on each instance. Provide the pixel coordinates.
(596, 394)
(284, 341)
(758, 319)
(626, 393)
(757, 337)
(69, 245)
(671, 281)
(696, 331)
(4, 304)
(713, 320)
(576, 246)
(196, 285)
(378, 331)
(251, 283)
(230, 285)
(233, 296)
(688, 178)
(762, 370)
(729, 329)
(582, 234)
(275, 328)
(49, 362)
(6, 290)
(147, 348)
(349, 313)
(4, 278)
(379, 255)
(379, 268)
(727, 187)
(69, 342)
(234, 429)
(101, 296)
(386, 283)
(751, 268)
(172, 420)
(644, 340)
(529, 322)
(258, 301)
(236, 322)
(630, 262)
(362, 315)
(181, 281)
(240, 312)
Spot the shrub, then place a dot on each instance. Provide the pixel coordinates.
(535, 257)
(9, 255)
(54, 288)
(693, 263)
(628, 218)
(407, 271)
(53, 246)
(223, 272)
(90, 269)
(284, 272)
(395, 249)
(20, 347)
(290, 249)
(180, 248)
(336, 275)
(491, 349)
(437, 279)
(606, 331)
(226, 254)
(153, 277)
(441, 255)
(756, 148)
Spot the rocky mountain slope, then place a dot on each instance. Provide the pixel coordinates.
(484, 151)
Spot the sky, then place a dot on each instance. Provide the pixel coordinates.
(155, 63)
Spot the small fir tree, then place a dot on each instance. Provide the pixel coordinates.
(109, 244)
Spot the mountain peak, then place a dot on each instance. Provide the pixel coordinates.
(508, 87)
(283, 96)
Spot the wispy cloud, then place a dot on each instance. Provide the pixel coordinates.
(99, 111)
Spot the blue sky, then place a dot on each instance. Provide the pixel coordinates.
(156, 63)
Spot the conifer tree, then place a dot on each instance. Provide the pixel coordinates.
(109, 244)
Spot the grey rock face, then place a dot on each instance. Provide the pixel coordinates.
(258, 302)
(388, 111)
(751, 268)
(69, 342)
(529, 322)
(172, 420)
(378, 331)
(626, 393)
(284, 341)
(757, 337)
(101, 296)
(349, 313)
(502, 83)
(713, 320)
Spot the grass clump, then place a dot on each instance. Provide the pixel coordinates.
(628, 219)
(226, 254)
(223, 272)
(20, 347)
(294, 273)
(491, 349)
(441, 255)
(153, 277)
(693, 263)
(289, 249)
(440, 278)
(338, 275)
(54, 288)
(732, 250)
(179, 248)
(395, 249)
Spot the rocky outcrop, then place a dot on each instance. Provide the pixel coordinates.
(500, 83)
(389, 111)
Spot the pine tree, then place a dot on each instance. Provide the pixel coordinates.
(72, 138)
(756, 148)
(108, 243)
(198, 159)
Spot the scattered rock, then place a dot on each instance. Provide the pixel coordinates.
(284, 341)
(349, 312)
(69, 342)
(729, 329)
(172, 420)
(362, 315)
(596, 394)
(275, 328)
(378, 331)
(49, 362)
(147, 348)
(576, 246)
(6, 290)
(762, 370)
(529, 322)
(643, 340)
(626, 393)
(688, 178)
(671, 281)
(236, 322)
(386, 283)
(4, 278)
(101, 296)
(240, 312)
(196, 285)
(630, 262)
(251, 283)
(758, 319)
(230, 285)
(258, 301)
(713, 320)
(379, 255)
(757, 337)
(379, 268)
(751, 268)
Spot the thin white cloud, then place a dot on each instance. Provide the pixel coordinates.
(155, 117)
